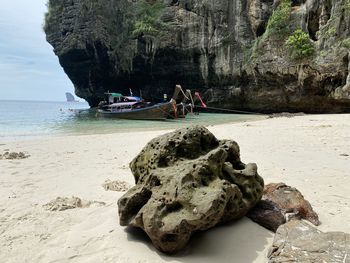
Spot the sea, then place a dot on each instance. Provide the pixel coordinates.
(31, 119)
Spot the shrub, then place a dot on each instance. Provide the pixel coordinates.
(330, 31)
(347, 5)
(278, 22)
(148, 17)
(53, 7)
(300, 46)
(346, 43)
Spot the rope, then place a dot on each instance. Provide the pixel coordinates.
(175, 110)
(227, 110)
(200, 99)
(183, 93)
(185, 109)
(189, 92)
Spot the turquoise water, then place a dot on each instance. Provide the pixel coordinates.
(24, 119)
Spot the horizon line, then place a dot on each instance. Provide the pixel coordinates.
(82, 100)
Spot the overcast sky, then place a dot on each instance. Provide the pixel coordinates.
(29, 70)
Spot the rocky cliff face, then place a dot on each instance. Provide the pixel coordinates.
(234, 52)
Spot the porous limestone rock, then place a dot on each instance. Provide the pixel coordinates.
(298, 241)
(188, 181)
(281, 203)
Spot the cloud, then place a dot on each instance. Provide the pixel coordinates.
(27, 62)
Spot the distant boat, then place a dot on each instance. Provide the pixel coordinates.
(70, 97)
(134, 108)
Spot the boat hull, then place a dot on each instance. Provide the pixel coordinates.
(155, 112)
(181, 112)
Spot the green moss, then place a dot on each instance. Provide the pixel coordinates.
(278, 24)
(300, 46)
(252, 51)
(323, 53)
(147, 19)
(53, 7)
(228, 40)
(347, 5)
(277, 30)
(346, 43)
(124, 21)
(329, 30)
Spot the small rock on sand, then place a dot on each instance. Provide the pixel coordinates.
(298, 241)
(286, 114)
(281, 203)
(119, 186)
(65, 203)
(14, 155)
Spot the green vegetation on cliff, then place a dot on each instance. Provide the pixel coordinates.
(278, 24)
(346, 43)
(147, 20)
(300, 46)
(276, 31)
(347, 5)
(122, 22)
(53, 7)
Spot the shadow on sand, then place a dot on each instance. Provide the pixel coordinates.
(242, 241)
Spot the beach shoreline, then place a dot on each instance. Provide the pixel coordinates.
(60, 120)
(309, 152)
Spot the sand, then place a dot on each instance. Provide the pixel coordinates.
(309, 152)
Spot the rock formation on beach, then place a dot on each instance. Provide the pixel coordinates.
(66, 203)
(14, 155)
(118, 186)
(188, 181)
(247, 55)
(281, 203)
(298, 241)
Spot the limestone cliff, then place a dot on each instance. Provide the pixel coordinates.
(234, 52)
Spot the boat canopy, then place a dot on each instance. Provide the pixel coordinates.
(114, 94)
(134, 98)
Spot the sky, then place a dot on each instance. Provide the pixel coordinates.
(29, 70)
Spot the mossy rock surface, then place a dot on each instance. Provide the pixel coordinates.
(188, 181)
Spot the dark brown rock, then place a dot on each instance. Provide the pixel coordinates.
(298, 241)
(267, 214)
(188, 181)
(281, 203)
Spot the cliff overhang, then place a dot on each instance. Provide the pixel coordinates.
(233, 52)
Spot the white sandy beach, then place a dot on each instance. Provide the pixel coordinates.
(307, 152)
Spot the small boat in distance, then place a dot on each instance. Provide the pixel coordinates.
(134, 108)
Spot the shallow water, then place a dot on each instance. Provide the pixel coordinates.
(23, 119)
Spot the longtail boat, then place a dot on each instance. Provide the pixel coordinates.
(134, 108)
